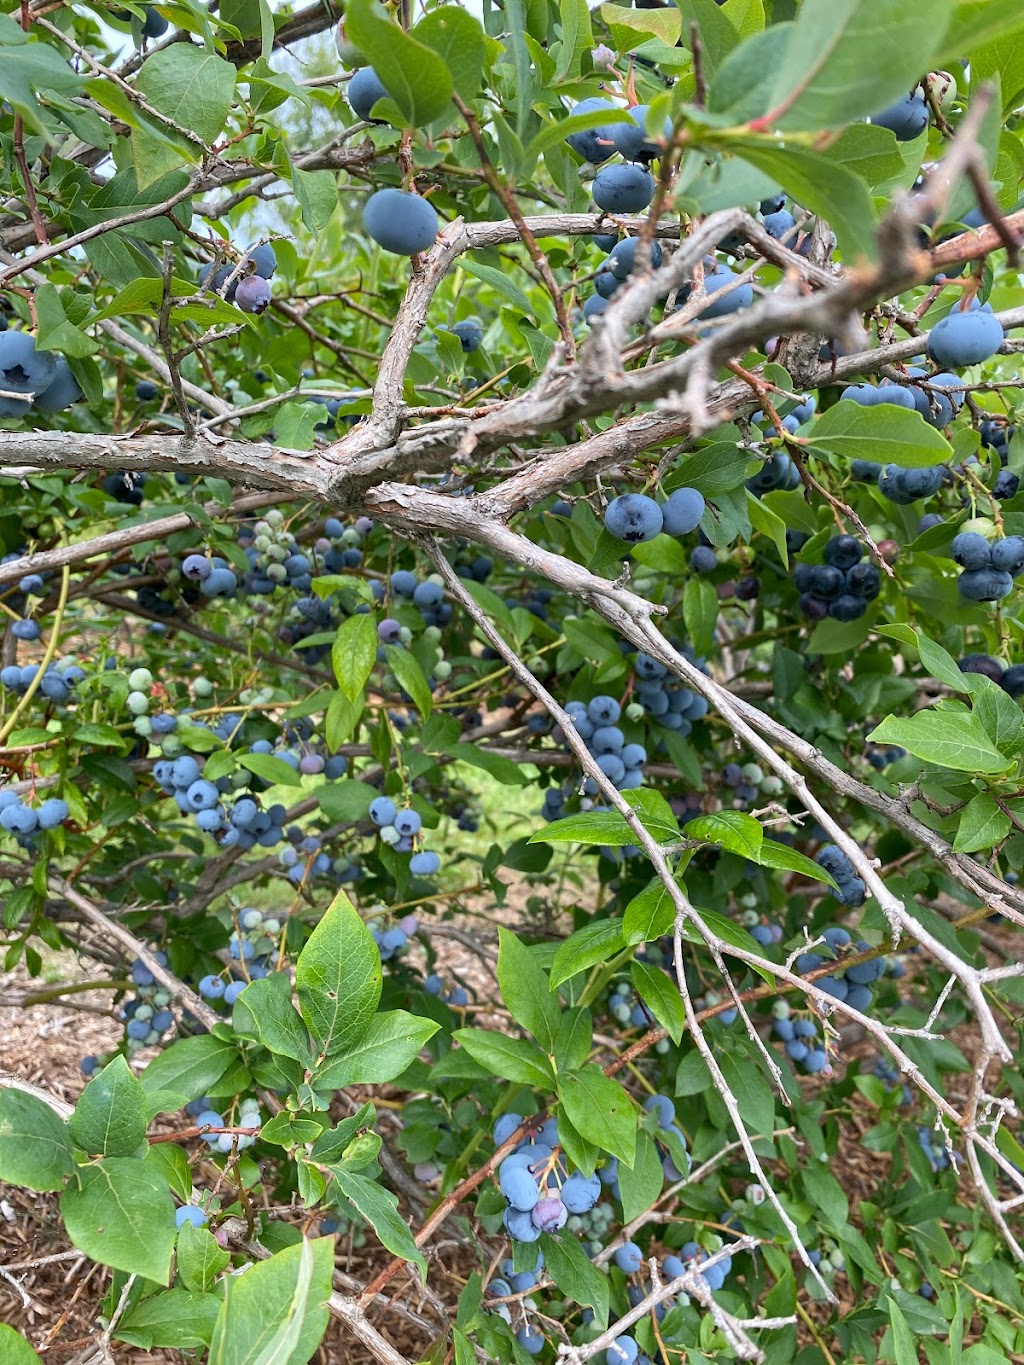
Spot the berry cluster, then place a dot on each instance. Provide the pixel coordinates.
(842, 587)
(26, 822)
(663, 696)
(400, 829)
(988, 569)
(248, 283)
(30, 377)
(852, 890)
(146, 1016)
(850, 984)
(207, 1117)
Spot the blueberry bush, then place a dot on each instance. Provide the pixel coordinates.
(511, 673)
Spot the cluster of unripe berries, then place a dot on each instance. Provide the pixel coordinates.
(400, 830)
(842, 587)
(627, 1008)
(749, 781)
(147, 1017)
(246, 284)
(206, 1116)
(391, 942)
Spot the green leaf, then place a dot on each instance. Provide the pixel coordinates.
(576, 1275)
(525, 990)
(661, 996)
(577, 36)
(415, 76)
(785, 859)
(272, 769)
(848, 59)
(884, 433)
(275, 1313)
(1002, 58)
(194, 88)
(31, 67)
(717, 35)
(120, 1212)
(630, 26)
(110, 1118)
(952, 739)
(975, 22)
(770, 524)
(595, 942)
(649, 914)
(199, 1258)
(380, 1209)
(338, 979)
(983, 824)
(513, 1059)
(56, 332)
(354, 654)
(753, 1093)
(348, 799)
(503, 283)
(332, 1145)
(575, 1037)
(609, 827)
(732, 830)
(716, 468)
(14, 1349)
(502, 769)
(600, 1110)
(904, 1344)
(35, 1149)
(176, 1318)
(392, 1042)
(264, 1011)
(410, 677)
(700, 612)
(316, 193)
(457, 38)
(190, 1067)
(640, 1186)
(938, 661)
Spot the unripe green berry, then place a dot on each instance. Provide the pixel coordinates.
(432, 635)
(634, 711)
(405, 636)
(139, 679)
(442, 670)
(142, 725)
(137, 703)
(202, 687)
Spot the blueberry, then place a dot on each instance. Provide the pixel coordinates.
(364, 90)
(972, 551)
(23, 369)
(633, 517)
(400, 222)
(622, 258)
(470, 333)
(629, 1257)
(681, 511)
(985, 585)
(631, 140)
(1008, 554)
(594, 144)
(424, 864)
(907, 118)
(703, 559)
(736, 299)
(781, 226)
(623, 188)
(594, 306)
(264, 260)
(843, 552)
(965, 339)
(253, 294)
(62, 390)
